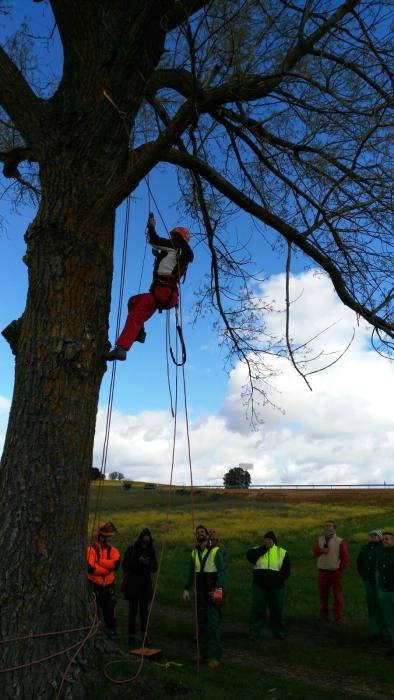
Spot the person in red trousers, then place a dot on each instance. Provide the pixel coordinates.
(332, 557)
(173, 255)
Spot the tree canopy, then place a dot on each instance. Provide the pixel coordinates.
(284, 111)
(116, 476)
(237, 478)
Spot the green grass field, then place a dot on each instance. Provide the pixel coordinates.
(315, 661)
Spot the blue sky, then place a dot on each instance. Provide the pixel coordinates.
(135, 390)
(339, 433)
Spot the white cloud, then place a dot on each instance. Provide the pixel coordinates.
(4, 405)
(341, 432)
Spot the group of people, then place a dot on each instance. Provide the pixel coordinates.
(207, 571)
(375, 565)
(138, 563)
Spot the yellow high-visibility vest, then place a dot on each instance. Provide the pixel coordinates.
(209, 567)
(272, 560)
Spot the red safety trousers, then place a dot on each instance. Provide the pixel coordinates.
(331, 580)
(140, 308)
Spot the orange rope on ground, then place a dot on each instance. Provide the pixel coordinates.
(92, 629)
(95, 626)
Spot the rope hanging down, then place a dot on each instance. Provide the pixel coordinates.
(180, 334)
(174, 411)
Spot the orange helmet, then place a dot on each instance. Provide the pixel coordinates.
(184, 232)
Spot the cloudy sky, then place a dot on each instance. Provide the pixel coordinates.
(341, 432)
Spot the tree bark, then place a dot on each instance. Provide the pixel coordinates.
(49, 443)
(80, 139)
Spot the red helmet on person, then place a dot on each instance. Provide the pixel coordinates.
(184, 232)
(106, 530)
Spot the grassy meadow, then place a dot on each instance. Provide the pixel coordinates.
(314, 661)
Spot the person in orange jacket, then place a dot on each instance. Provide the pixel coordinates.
(103, 561)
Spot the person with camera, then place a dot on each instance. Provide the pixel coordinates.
(332, 558)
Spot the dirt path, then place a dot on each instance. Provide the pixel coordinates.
(267, 653)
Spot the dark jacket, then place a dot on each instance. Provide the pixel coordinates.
(138, 564)
(385, 569)
(267, 578)
(366, 561)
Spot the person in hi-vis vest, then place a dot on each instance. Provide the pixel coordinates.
(271, 570)
(332, 557)
(207, 571)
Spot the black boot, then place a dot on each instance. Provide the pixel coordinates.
(118, 353)
(141, 336)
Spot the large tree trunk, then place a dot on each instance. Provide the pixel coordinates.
(49, 443)
(80, 138)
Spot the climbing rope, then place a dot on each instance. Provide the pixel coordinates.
(104, 454)
(174, 412)
(180, 334)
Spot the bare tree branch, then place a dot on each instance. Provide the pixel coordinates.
(20, 102)
(287, 333)
(181, 12)
(282, 227)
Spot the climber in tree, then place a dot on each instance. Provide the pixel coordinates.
(172, 255)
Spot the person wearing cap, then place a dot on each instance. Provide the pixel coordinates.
(366, 566)
(385, 584)
(103, 561)
(270, 571)
(173, 256)
(207, 571)
(332, 558)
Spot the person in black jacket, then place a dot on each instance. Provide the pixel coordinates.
(271, 570)
(172, 256)
(138, 564)
(366, 567)
(385, 584)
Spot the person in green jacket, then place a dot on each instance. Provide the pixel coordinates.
(385, 584)
(271, 570)
(366, 566)
(207, 572)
